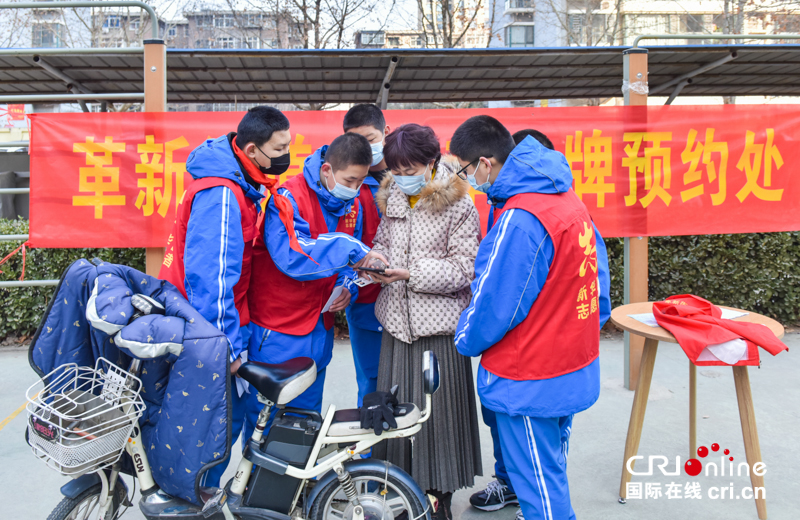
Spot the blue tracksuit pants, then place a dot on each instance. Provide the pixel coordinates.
(535, 452)
(365, 340)
(366, 346)
(490, 420)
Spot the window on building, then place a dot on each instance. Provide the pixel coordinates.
(111, 22)
(694, 23)
(372, 38)
(394, 41)
(519, 4)
(253, 42)
(419, 41)
(224, 20)
(135, 24)
(519, 36)
(226, 42)
(205, 21)
(48, 35)
(172, 32)
(787, 23)
(252, 20)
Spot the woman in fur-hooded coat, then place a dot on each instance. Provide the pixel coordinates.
(429, 233)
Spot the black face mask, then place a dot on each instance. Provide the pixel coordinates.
(279, 164)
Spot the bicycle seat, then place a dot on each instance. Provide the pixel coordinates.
(282, 382)
(348, 422)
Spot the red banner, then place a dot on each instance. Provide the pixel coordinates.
(114, 179)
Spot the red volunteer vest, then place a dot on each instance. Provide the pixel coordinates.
(369, 225)
(279, 302)
(561, 333)
(173, 270)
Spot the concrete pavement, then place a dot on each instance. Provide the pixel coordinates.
(30, 490)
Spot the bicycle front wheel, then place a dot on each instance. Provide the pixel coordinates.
(86, 506)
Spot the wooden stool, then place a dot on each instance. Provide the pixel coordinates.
(653, 335)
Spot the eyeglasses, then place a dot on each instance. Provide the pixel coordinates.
(463, 171)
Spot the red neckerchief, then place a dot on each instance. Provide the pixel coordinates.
(284, 205)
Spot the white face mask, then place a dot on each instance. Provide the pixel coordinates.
(377, 153)
(483, 188)
(341, 191)
(412, 184)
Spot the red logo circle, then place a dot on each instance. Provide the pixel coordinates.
(693, 467)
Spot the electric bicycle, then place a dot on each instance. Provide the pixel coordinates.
(81, 420)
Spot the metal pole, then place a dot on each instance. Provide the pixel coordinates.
(696, 72)
(98, 51)
(14, 191)
(694, 36)
(155, 100)
(13, 238)
(635, 251)
(46, 98)
(28, 283)
(677, 91)
(383, 95)
(60, 75)
(84, 3)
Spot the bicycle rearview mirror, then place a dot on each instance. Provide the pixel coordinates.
(430, 372)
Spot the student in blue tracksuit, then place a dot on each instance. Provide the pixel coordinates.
(210, 250)
(365, 330)
(296, 270)
(540, 347)
(500, 493)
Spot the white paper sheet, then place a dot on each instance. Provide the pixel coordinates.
(649, 319)
(337, 291)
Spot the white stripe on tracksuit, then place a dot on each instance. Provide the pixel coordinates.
(505, 219)
(537, 468)
(223, 252)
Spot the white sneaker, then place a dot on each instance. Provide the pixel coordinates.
(519, 515)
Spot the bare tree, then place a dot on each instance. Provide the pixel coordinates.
(447, 23)
(586, 23)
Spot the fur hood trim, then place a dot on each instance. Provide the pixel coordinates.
(442, 192)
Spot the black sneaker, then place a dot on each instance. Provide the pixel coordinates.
(496, 496)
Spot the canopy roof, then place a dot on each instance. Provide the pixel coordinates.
(420, 75)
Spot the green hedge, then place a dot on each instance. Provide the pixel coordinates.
(759, 272)
(21, 308)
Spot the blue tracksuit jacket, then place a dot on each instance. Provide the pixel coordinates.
(333, 253)
(214, 243)
(510, 270)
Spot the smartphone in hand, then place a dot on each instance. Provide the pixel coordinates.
(381, 270)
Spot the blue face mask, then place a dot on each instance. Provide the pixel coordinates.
(342, 192)
(411, 184)
(483, 188)
(377, 153)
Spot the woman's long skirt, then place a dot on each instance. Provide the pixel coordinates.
(445, 455)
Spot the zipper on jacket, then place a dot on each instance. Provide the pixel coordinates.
(264, 338)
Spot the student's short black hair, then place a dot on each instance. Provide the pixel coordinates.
(365, 114)
(349, 149)
(522, 134)
(258, 125)
(481, 136)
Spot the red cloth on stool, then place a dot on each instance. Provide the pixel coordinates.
(696, 324)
